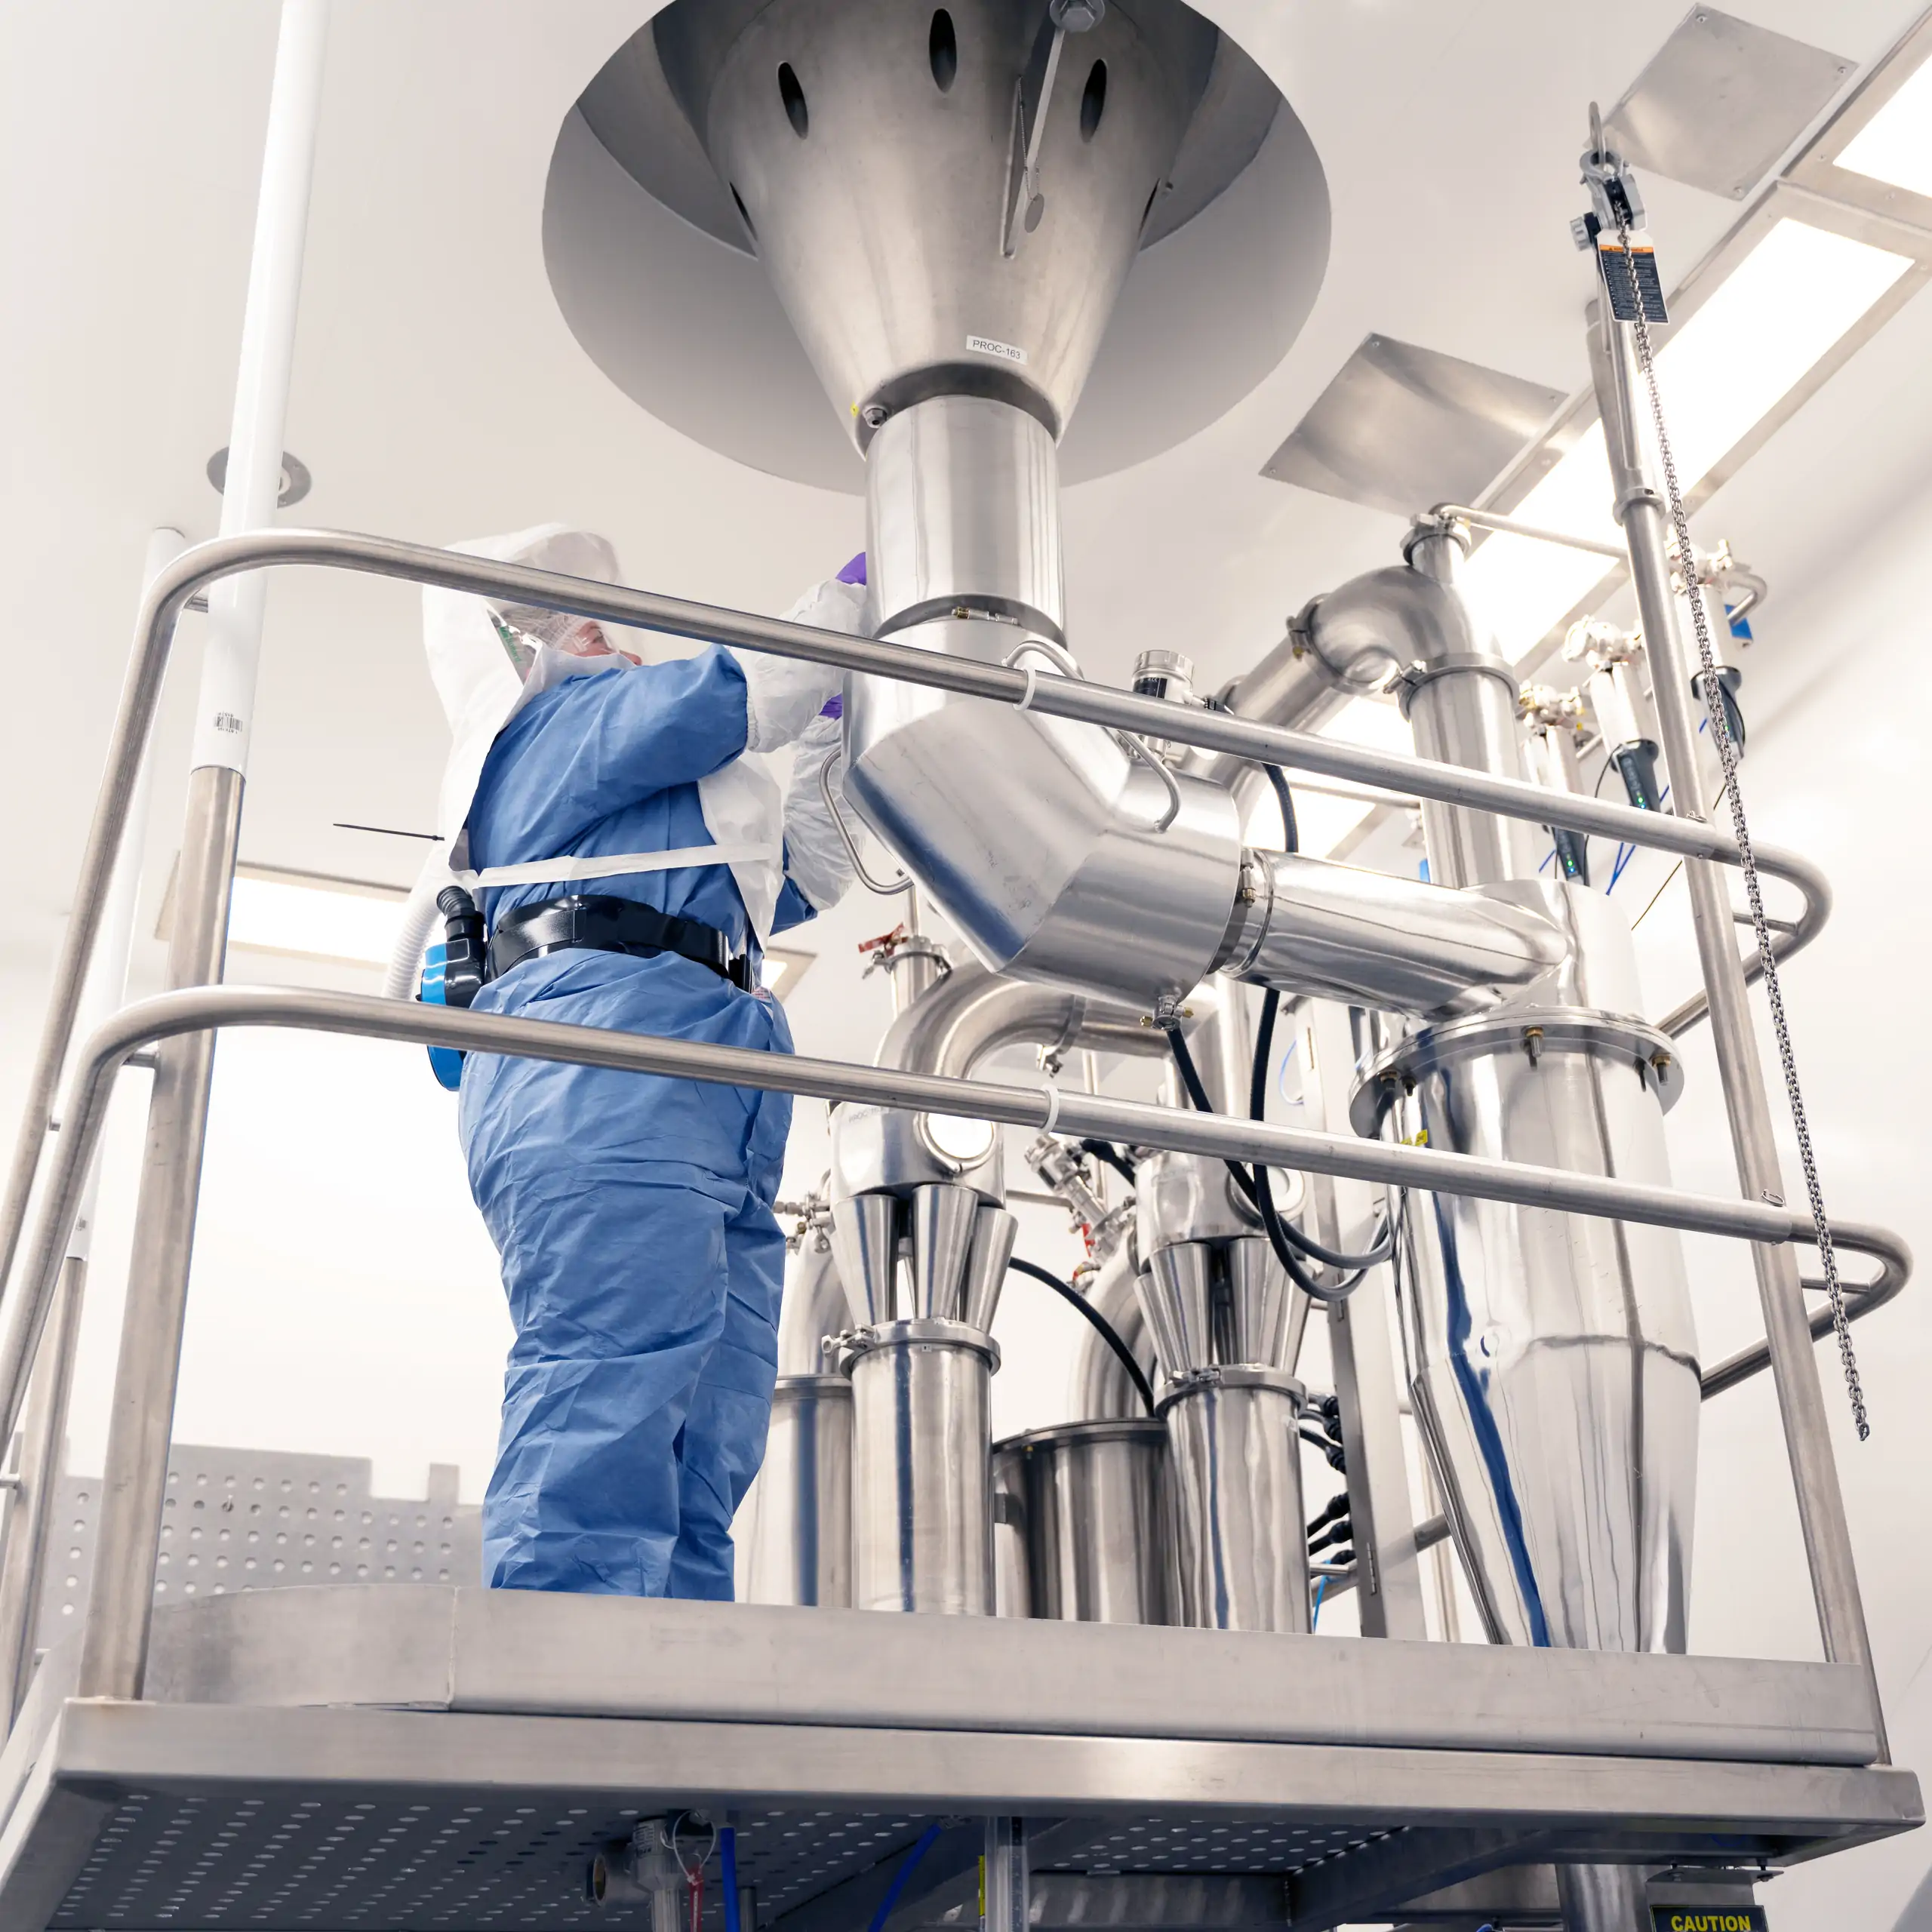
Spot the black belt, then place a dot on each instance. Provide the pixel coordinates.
(600, 922)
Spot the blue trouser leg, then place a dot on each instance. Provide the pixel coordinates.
(723, 1441)
(598, 1393)
(642, 1268)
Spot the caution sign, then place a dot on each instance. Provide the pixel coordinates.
(1708, 1918)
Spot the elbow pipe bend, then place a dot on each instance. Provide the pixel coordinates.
(958, 1022)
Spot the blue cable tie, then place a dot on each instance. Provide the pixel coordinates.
(727, 1858)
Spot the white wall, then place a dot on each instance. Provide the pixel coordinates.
(1836, 694)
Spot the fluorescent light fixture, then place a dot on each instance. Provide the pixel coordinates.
(782, 970)
(1776, 314)
(1895, 146)
(342, 921)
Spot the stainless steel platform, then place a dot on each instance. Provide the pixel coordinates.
(449, 1757)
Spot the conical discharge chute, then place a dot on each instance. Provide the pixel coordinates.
(877, 153)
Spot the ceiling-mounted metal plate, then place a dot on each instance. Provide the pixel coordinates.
(1721, 100)
(1401, 428)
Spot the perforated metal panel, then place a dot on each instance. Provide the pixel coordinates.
(1239, 1845)
(284, 1861)
(255, 1519)
(370, 1859)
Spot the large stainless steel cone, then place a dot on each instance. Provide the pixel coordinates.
(874, 149)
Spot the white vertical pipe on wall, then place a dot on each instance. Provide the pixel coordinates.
(224, 712)
(114, 1649)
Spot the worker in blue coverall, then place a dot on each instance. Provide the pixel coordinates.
(633, 1214)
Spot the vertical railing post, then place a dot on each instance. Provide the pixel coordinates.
(44, 1427)
(1641, 510)
(114, 1653)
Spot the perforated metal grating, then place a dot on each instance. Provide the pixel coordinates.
(257, 1519)
(1220, 1845)
(371, 1858)
(364, 1858)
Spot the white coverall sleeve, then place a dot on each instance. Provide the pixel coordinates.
(816, 859)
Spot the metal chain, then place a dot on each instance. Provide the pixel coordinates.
(1727, 749)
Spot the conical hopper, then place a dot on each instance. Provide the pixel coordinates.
(877, 152)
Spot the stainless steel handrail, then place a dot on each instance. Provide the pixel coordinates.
(1862, 1298)
(202, 1009)
(1067, 697)
(1800, 933)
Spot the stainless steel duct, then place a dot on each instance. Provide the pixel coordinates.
(1555, 1376)
(1555, 1360)
(923, 1240)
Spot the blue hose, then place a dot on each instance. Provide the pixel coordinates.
(727, 1859)
(907, 1865)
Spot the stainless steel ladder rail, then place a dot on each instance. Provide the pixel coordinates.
(1835, 1597)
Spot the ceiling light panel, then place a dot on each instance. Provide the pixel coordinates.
(313, 921)
(1895, 146)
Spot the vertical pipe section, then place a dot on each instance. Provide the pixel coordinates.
(1007, 1878)
(1381, 1514)
(114, 1652)
(1793, 1366)
(23, 1564)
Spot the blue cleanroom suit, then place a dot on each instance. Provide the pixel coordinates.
(633, 1215)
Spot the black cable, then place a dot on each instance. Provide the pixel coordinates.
(1262, 1200)
(1106, 1150)
(1108, 1333)
(1257, 1110)
(1290, 829)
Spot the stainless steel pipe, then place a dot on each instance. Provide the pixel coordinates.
(30, 1518)
(113, 1649)
(921, 1492)
(799, 1544)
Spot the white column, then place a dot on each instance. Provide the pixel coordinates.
(225, 711)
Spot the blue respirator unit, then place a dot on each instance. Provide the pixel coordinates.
(453, 973)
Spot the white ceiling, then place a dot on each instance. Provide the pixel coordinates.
(438, 393)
